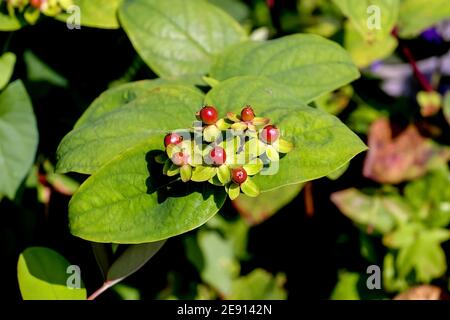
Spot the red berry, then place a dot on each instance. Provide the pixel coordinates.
(172, 138)
(247, 114)
(36, 3)
(208, 115)
(239, 175)
(179, 159)
(218, 156)
(269, 134)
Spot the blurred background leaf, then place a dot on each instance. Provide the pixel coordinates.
(18, 137)
(7, 62)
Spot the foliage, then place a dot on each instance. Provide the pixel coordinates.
(331, 76)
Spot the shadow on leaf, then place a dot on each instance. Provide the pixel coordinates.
(172, 187)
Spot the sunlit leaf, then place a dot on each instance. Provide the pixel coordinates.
(43, 275)
(417, 15)
(176, 37)
(322, 143)
(113, 126)
(306, 65)
(96, 13)
(128, 200)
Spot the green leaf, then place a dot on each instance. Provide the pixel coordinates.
(239, 126)
(234, 190)
(363, 116)
(352, 286)
(257, 210)
(126, 292)
(391, 281)
(103, 256)
(223, 173)
(117, 97)
(186, 173)
(322, 143)
(254, 168)
(364, 52)
(96, 13)
(128, 200)
(132, 259)
(259, 285)
(43, 275)
(372, 19)
(367, 247)
(305, 65)
(173, 170)
(254, 148)
(417, 15)
(284, 146)
(347, 287)
(272, 154)
(211, 133)
(335, 102)
(382, 213)
(235, 231)
(430, 198)
(214, 257)
(210, 81)
(446, 107)
(175, 37)
(18, 137)
(250, 188)
(425, 256)
(8, 23)
(39, 71)
(7, 62)
(234, 8)
(403, 236)
(201, 173)
(31, 15)
(167, 166)
(112, 128)
(339, 172)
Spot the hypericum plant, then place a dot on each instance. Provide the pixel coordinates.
(127, 198)
(224, 152)
(31, 9)
(134, 139)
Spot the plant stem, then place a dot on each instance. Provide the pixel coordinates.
(409, 56)
(309, 200)
(103, 288)
(275, 12)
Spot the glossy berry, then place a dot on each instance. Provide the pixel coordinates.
(218, 156)
(269, 134)
(247, 114)
(239, 175)
(179, 159)
(172, 138)
(36, 3)
(208, 115)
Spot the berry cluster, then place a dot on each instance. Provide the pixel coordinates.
(31, 9)
(225, 151)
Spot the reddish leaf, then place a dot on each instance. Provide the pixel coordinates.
(404, 157)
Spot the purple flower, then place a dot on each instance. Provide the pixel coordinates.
(432, 35)
(376, 65)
